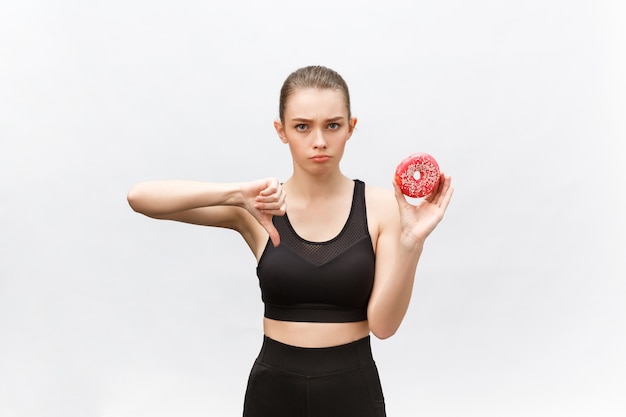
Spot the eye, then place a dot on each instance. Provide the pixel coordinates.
(300, 127)
(333, 126)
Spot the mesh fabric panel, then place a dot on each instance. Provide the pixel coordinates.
(320, 253)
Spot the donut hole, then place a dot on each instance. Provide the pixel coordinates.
(417, 175)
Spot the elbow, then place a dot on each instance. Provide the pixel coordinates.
(134, 199)
(131, 198)
(382, 335)
(383, 331)
(383, 323)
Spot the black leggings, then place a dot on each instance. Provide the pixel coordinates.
(338, 381)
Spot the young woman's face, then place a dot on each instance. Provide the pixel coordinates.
(316, 127)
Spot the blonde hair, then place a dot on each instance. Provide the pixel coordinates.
(313, 76)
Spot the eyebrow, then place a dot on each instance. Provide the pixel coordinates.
(331, 120)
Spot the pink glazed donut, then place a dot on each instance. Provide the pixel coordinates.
(428, 170)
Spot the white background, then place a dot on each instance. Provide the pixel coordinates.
(519, 303)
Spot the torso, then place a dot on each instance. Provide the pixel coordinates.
(314, 334)
(322, 228)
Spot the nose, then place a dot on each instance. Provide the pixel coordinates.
(319, 141)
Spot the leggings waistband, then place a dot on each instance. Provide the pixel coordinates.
(316, 361)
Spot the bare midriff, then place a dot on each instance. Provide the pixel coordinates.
(315, 335)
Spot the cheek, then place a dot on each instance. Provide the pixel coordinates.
(343, 133)
(295, 146)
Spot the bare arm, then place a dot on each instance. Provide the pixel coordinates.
(398, 249)
(231, 205)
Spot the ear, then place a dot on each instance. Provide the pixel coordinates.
(280, 130)
(352, 125)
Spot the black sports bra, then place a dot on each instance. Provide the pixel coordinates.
(327, 282)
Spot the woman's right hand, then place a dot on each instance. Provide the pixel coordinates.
(205, 203)
(263, 199)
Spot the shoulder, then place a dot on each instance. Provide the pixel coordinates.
(379, 197)
(382, 209)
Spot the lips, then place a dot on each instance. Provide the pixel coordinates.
(320, 158)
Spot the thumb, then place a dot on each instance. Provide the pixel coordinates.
(271, 230)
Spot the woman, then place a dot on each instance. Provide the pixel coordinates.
(335, 264)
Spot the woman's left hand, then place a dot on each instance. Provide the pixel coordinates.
(418, 221)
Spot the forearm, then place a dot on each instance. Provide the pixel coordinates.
(391, 302)
(158, 198)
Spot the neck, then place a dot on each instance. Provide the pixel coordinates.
(314, 187)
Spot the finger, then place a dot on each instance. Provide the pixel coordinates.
(271, 187)
(277, 212)
(276, 198)
(446, 198)
(435, 196)
(271, 205)
(445, 181)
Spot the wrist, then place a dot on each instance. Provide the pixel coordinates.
(234, 194)
(412, 241)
